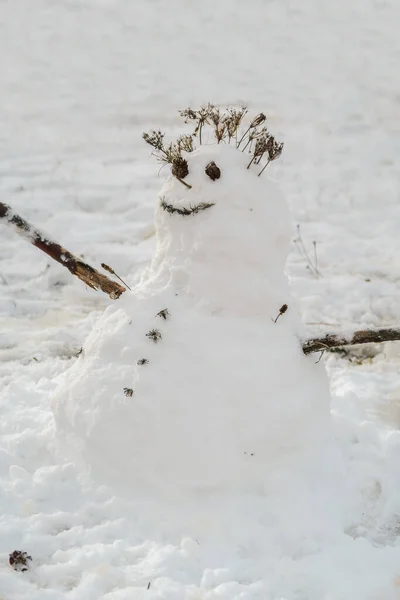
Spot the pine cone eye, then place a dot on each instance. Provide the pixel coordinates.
(180, 167)
(213, 171)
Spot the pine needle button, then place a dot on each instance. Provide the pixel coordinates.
(213, 171)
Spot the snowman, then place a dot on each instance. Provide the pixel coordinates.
(196, 380)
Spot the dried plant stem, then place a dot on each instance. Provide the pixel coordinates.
(315, 256)
(242, 138)
(365, 336)
(248, 142)
(251, 162)
(225, 126)
(111, 270)
(184, 182)
(264, 167)
(77, 267)
(312, 266)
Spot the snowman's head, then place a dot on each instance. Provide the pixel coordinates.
(224, 233)
(218, 220)
(223, 208)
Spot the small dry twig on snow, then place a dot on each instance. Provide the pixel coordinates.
(365, 336)
(77, 267)
(282, 311)
(312, 265)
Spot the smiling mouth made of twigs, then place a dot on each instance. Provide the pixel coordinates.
(183, 211)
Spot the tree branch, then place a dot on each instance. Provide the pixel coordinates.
(365, 336)
(77, 267)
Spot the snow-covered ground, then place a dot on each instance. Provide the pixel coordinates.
(80, 81)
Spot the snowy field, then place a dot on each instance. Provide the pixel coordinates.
(80, 81)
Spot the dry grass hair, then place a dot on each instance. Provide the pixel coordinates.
(226, 126)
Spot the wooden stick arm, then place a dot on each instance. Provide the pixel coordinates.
(365, 336)
(75, 265)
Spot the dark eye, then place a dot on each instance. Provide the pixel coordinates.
(180, 167)
(213, 171)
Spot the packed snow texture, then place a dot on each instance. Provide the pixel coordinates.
(227, 398)
(81, 81)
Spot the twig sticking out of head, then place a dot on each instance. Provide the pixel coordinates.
(111, 270)
(171, 154)
(256, 122)
(260, 147)
(233, 119)
(200, 116)
(264, 144)
(75, 265)
(225, 125)
(193, 210)
(274, 150)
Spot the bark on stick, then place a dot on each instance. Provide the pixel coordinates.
(75, 265)
(365, 336)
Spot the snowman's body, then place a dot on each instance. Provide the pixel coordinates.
(225, 396)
